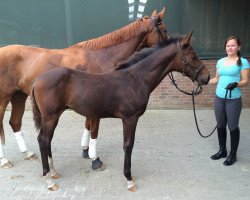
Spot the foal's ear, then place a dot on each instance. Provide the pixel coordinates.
(161, 14)
(186, 40)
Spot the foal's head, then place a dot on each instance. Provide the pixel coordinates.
(188, 63)
(156, 28)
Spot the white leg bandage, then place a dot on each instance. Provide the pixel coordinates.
(20, 141)
(85, 138)
(92, 148)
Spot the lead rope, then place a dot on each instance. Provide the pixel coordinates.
(195, 93)
(196, 123)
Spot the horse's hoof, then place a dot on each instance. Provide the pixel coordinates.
(97, 165)
(133, 189)
(55, 176)
(7, 165)
(53, 187)
(85, 153)
(131, 186)
(31, 156)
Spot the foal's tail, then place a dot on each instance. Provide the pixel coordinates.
(36, 112)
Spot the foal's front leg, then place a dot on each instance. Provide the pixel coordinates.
(85, 139)
(129, 127)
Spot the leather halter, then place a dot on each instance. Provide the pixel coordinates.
(157, 25)
(185, 62)
(196, 91)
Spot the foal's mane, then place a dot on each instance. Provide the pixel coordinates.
(140, 55)
(117, 36)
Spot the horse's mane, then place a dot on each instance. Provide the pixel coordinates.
(138, 56)
(117, 36)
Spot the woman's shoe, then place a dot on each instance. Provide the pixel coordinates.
(222, 153)
(230, 160)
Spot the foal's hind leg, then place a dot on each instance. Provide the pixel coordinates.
(96, 163)
(44, 139)
(4, 163)
(18, 105)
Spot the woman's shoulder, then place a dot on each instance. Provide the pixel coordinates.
(245, 62)
(221, 60)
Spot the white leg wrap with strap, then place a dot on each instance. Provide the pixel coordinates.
(20, 141)
(85, 138)
(92, 148)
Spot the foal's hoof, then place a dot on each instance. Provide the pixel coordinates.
(30, 156)
(131, 186)
(85, 153)
(53, 187)
(97, 165)
(55, 176)
(7, 165)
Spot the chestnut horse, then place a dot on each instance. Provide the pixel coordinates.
(121, 93)
(20, 65)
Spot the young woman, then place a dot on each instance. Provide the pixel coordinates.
(231, 74)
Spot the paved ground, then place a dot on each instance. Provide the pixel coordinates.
(170, 161)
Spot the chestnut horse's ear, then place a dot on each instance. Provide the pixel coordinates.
(186, 40)
(154, 13)
(161, 14)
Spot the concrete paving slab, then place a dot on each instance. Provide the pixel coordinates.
(170, 161)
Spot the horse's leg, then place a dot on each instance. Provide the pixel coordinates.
(4, 162)
(18, 105)
(85, 139)
(129, 127)
(44, 139)
(96, 163)
(54, 174)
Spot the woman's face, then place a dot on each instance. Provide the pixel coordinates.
(232, 47)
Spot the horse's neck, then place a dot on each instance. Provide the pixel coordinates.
(123, 50)
(117, 45)
(153, 69)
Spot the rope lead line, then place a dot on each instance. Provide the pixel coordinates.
(194, 93)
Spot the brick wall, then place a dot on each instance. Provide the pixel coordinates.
(166, 96)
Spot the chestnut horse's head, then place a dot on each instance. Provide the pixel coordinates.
(188, 63)
(157, 31)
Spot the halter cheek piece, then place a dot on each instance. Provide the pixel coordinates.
(157, 24)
